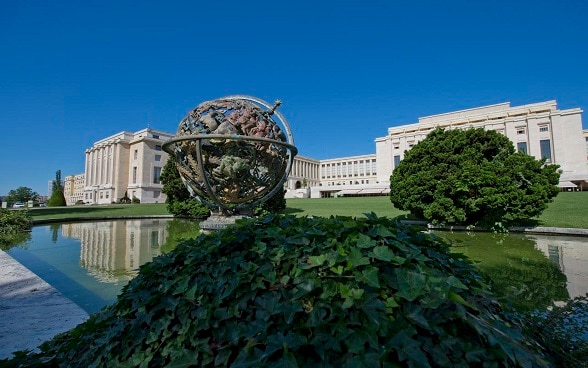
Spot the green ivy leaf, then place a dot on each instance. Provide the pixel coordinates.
(356, 258)
(370, 277)
(411, 285)
(364, 241)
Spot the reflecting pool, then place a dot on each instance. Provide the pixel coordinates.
(90, 262)
(532, 271)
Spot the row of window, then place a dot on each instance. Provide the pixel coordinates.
(542, 129)
(156, 175)
(351, 182)
(348, 169)
(544, 146)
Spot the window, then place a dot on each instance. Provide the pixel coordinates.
(544, 128)
(522, 147)
(158, 147)
(156, 193)
(156, 174)
(157, 157)
(520, 130)
(135, 153)
(134, 174)
(545, 145)
(107, 194)
(396, 161)
(156, 136)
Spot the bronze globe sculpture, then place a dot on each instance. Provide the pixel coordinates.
(233, 155)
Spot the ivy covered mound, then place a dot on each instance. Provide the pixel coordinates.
(283, 291)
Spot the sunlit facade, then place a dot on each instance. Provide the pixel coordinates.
(126, 163)
(132, 162)
(539, 129)
(73, 189)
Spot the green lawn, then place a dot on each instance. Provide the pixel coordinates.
(569, 209)
(115, 210)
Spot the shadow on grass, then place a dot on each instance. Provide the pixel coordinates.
(291, 211)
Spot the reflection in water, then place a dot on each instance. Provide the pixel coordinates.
(112, 251)
(90, 262)
(531, 271)
(570, 254)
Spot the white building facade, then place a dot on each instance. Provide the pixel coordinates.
(128, 163)
(132, 162)
(73, 189)
(539, 129)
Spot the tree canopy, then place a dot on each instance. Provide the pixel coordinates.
(472, 177)
(21, 194)
(57, 198)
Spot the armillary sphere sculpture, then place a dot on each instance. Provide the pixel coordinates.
(232, 155)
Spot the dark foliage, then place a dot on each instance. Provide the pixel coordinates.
(309, 292)
(14, 227)
(179, 202)
(275, 204)
(563, 332)
(472, 177)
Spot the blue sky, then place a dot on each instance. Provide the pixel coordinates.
(72, 73)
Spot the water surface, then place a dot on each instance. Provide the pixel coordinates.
(90, 262)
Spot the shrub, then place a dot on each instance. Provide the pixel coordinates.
(275, 204)
(191, 207)
(472, 177)
(57, 199)
(284, 291)
(178, 200)
(14, 226)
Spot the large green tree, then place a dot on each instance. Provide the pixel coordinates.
(179, 202)
(57, 198)
(472, 177)
(21, 194)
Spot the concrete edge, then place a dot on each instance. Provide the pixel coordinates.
(32, 311)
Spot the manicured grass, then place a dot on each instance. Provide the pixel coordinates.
(115, 210)
(569, 209)
(344, 206)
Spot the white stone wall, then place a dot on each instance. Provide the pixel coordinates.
(126, 162)
(528, 123)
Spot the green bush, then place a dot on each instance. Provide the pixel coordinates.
(472, 177)
(57, 199)
(188, 208)
(281, 291)
(14, 226)
(178, 200)
(275, 204)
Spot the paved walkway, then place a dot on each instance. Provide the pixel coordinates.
(31, 310)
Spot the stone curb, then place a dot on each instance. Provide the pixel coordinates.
(31, 310)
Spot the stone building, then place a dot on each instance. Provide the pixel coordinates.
(73, 189)
(132, 162)
(538, 129)
(128, 163)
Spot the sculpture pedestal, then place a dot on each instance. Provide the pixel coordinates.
(218, 222)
